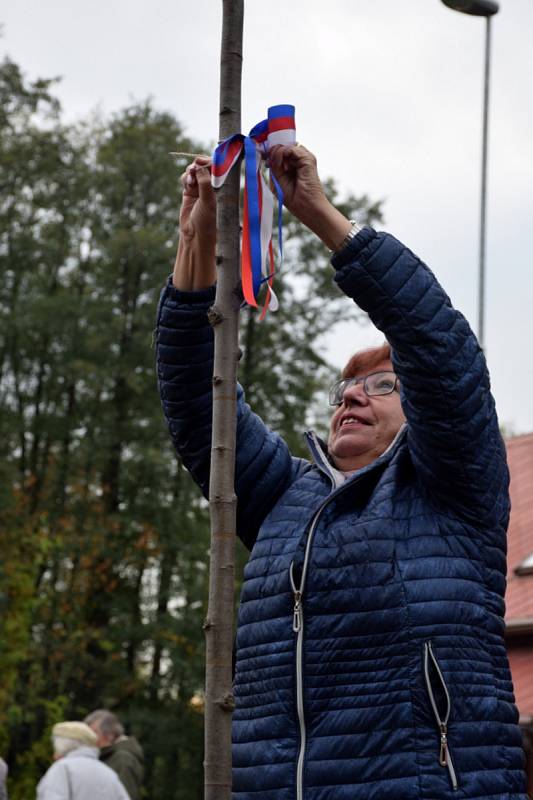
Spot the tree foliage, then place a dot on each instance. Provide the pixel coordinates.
(103, 536)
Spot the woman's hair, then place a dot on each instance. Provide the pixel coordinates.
(365, 361)
(62, 745)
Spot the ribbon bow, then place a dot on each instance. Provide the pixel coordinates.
(257, 257)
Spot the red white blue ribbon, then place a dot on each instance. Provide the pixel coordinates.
(257, 258)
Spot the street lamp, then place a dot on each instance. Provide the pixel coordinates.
(487, 9)
(478, 8)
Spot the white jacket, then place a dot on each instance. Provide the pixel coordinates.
(3, 777)
(81, 776)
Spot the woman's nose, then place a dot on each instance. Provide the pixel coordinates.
(355, 394)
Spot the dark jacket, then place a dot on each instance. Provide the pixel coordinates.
(126, 757)
(388, 678)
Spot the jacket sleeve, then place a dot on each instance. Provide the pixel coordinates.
(453, 433)
(185, 367)
(124, 766)
(55, 784)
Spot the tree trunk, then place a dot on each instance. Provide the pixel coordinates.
(224, 317)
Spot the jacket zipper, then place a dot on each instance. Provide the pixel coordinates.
(298, 617)
(445, 758)
(298, 628)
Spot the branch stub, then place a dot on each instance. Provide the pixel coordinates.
(226, 702)
(214, 316)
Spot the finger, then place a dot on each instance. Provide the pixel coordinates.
(299, 159)
(184, 177)
(191, 168)
(275, 156)
(201, 162)
(205, 189)
(298, 152)
(189, 182)
(284, 158)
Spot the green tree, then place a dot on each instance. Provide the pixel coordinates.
(104, 537)
(35, 192)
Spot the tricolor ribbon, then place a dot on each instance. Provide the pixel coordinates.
(257, 258)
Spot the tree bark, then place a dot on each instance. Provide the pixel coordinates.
(224, 316)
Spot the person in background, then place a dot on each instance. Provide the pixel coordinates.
(3, 779)
(77, 773)
(122, 753)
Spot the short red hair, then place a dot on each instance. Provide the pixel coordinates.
(365, 361)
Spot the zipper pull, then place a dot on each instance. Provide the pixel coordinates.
(443, 756)
(297, 617)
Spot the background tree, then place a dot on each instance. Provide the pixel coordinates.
(104, 537)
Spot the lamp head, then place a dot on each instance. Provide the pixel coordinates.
(478, 8)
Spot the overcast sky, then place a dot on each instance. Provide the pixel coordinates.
(388, 94)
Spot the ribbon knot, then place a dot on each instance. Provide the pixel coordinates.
(257, 257)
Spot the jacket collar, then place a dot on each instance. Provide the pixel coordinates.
(85, 751)
(319, 454)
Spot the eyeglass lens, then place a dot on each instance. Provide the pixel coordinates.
(375, 384)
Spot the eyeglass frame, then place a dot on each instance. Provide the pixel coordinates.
(362, 379)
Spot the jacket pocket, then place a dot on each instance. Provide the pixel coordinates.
(439, 698)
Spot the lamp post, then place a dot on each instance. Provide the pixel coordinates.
(487, 9)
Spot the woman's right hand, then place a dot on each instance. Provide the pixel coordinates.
(295, 169)
(195, 262)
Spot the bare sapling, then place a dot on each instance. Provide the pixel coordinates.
(224, 317)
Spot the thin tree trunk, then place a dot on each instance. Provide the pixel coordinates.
(224, 317)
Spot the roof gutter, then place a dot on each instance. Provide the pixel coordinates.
(520, 626)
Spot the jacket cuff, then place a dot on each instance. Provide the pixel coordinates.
(188, 297)
(349, 253)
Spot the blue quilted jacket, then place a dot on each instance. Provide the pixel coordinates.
(371, 662)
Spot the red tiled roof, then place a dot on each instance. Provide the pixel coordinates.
(519, 597)
(521, 661)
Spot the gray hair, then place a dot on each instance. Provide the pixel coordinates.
(107, 723)
(62, 745)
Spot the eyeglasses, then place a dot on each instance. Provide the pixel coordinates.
(375, 385)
